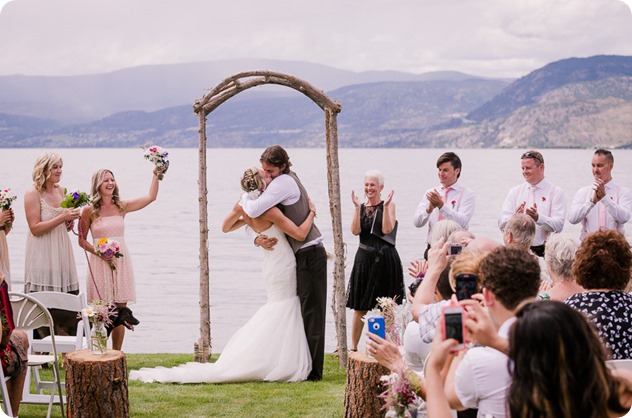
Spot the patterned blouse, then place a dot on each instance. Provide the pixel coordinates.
(611, 311)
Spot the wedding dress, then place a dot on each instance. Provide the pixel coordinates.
(271, 346)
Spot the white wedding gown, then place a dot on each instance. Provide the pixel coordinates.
(271, 346)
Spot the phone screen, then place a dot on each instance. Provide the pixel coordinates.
(465, 286)
(454, 326)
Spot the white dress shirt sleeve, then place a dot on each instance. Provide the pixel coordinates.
(282, 189)
(421, 216)
(619, 211)
(581, 205)
(554, 222)
(509, 207)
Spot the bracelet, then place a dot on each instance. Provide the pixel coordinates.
(255, 241)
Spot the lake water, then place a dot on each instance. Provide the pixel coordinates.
(163, 238)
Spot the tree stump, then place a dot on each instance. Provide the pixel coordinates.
(363, 387)
(96, 385)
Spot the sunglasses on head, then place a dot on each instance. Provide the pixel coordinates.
(532, 155)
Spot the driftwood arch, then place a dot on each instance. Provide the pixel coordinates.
(223, 91)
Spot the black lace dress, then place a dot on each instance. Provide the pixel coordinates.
(377, 269)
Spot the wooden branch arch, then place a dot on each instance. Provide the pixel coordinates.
(223, 91)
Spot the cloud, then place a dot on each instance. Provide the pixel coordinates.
(483, 37)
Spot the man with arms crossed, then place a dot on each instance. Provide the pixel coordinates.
(447, 201)
(287, 192)
(605, 204)
(537, 197)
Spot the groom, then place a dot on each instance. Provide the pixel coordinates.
(287, 192)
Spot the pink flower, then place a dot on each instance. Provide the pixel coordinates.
(453, 203)
(543, 199)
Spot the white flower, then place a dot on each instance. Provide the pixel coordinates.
(254, 194)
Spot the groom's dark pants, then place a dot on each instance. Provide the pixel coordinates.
(311, 276)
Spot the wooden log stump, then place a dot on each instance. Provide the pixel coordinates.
(96, 385)
(363, 387)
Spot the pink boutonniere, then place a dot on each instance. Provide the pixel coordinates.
(543, 199)
(453, 203)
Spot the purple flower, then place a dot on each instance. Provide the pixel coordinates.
(109, 253)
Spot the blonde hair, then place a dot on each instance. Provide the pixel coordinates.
(41, 170)
(97, 181)
(465, 262)
(251, 180)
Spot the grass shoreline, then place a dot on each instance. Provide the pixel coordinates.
(250, 399)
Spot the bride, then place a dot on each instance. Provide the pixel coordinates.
(272, 345)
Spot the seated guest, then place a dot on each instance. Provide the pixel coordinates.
(519, 232)
(13, 349)
(602, 267)
(559, 257)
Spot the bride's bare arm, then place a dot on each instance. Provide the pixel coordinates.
(234, 220)
(299, 233)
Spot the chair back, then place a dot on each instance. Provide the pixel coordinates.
(67, 302)
(29, 313)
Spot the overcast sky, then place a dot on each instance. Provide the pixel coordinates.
(496, 38)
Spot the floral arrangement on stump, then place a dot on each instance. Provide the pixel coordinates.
(395, 318)
(400, 399)
(100, 314)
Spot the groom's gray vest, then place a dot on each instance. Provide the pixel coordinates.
(297, 213)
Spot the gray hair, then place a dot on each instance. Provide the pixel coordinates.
(522, 228)
(443, 229)
(559, 254)
(375, 174)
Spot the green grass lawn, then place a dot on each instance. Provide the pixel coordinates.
(252, 400)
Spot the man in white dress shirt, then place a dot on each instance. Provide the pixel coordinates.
(603, 205)
(450, 200)
(537, 197)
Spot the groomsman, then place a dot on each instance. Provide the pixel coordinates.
(537, 197)
(603, 205)
(449, 200)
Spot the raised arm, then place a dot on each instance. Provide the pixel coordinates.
(388, 216)
(234, 220)
(138, 203)
(357, 207)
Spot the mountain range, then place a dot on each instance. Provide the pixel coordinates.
(575, 102)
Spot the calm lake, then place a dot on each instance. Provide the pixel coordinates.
(163, 238)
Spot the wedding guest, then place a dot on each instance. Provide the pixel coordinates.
(559, 258)
(537, 197)
(604, 204)
(49, 259)
(377, 269)
(6, 219)
(559, 367)
(602, 267)
(111, 279)
(519, 232)
(450, 200)
(13, 349)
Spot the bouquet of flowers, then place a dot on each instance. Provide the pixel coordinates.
(75, 199)
(395, 317)
(6, 199)
(110, 249)
(160, 157)
(100, 314)
(398, 396)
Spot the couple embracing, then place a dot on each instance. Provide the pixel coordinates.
(285, 339)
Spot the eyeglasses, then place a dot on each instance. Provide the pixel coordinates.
(535, 156)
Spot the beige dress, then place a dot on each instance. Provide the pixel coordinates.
(49, 260)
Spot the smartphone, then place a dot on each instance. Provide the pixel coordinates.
(465, 285)
(455, 249)
(376, 325)
(452, 317)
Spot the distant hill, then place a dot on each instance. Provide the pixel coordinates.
(577, 102)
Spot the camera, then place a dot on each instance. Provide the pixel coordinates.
(455, 249)
(465, 285)
(452, 317)
(376, 325)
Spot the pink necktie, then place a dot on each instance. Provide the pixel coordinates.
(601, 208)
(531, 199)
(445, 199)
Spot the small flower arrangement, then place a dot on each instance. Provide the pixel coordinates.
(395, 317)
(110, 249)
(254, 194)
(160, 157)
(75, 199)
(100, 311)
(398, 395)
(7, 197)
(453, 203)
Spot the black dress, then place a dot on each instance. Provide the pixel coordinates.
(377, 269)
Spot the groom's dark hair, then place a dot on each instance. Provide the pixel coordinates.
(277, 157)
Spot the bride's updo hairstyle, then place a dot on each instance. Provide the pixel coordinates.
(251, 180)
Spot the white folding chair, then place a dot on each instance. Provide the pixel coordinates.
(28, 314)
(5, 394)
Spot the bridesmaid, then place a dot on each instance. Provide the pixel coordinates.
(110, 279)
